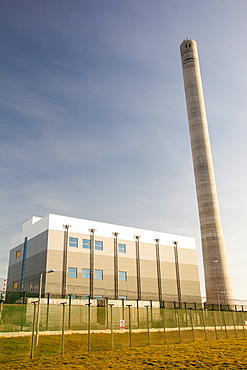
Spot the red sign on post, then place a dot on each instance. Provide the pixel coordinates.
(121, 324)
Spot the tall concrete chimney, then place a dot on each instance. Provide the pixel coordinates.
(217, 278)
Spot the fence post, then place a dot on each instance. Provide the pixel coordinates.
(151, 312)
(224, 316)
(22, 316)
(106, 313)
(178, 322)
(22, 310)
(111, 305)
(130, 334)
(192, 326)
(1, 308)
(123, 309)
(221, 323)
(148, 326)
(233, 319)
(186, 316)
(215, 325)
(242, 317)
(164, 324)
(38, 313)
(204, 323)
(69, 321)
(63, 317)
(47, 310)
(89, 326)
(33, 329)
(138, 318)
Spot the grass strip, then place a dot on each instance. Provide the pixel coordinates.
(218, 355)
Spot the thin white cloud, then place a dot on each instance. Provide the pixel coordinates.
(94, 121)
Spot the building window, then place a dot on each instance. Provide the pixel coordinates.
(98, 245)
(18, 254)
(72, 272)
(98, 274)
(15, 285)
(122, 275)
(73, 242)
(122, 297)
(86, 243)
(122, 248)
(85, 274)
(97, 296)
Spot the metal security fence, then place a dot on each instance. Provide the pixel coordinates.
(33, 329)
(32, 289)
(54, 291)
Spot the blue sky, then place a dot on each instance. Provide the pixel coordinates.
(93, 116)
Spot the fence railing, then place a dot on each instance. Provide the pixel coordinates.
(43, 329)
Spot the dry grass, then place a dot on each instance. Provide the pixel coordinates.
(221, 354)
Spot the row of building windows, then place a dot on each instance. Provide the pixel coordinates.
(98, 274)
(98, 245)
(86, 243)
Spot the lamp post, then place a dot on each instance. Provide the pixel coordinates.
(38, 316)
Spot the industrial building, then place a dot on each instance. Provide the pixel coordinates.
(101, 260)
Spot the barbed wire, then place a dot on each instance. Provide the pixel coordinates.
(80, 292)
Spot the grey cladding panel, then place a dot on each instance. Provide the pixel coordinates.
(12, 254)
(14, 274)
(35, 264)
(37, 244)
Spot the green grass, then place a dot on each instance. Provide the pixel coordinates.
(221, 354)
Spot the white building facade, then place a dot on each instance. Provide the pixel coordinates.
(95, 259)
